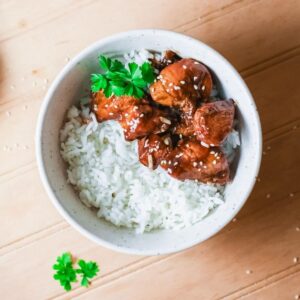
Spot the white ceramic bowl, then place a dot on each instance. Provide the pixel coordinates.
(67, 89)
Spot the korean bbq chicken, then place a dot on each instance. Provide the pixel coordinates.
(178, 125)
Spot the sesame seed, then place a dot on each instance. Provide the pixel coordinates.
(168, 90)
(176, 88)
(203, 87)
(175, 163)
(166, 141)
(234, 220)
(182, 81)
(169, 61)
(205, 167)
(194, 164)
(184, 66)
(141, 115)
(169, 170)
(126, 115)
(169, 162)
(110, 113)
(171, 83)
(201, 163)
(196, 63)
(297, 228)
(248, 272)
(150, 161)
(295, 260)
(180, 136)
(212, 145)
(268, 195)
(212, 152)
(216, 154)
(214, 162)
(195, 78)
(195, 87)
(165, 120)
(204, 145)
(106, 105)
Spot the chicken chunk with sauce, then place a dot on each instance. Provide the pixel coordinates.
(136, 116)
(181, 84)
(153, 149)
(213, 121)
(190, 160)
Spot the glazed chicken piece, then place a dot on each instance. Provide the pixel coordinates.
(185, 124)
(169, 58)
(190, 160)
(153, 149)
(136, 116)
(110, 108)
(142, 119)
(181, 84)
(213, 121)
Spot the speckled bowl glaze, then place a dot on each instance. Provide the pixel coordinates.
(67, 89)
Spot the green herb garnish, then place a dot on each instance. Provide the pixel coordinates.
(119, 80)
(66, 274)
(87, 270)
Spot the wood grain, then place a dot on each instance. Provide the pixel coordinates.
(260, 38)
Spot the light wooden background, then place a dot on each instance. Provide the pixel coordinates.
(254, 257)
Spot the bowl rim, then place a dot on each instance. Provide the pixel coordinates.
(39, 154)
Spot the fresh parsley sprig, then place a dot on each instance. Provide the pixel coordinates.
(119, 80)
(87, 270)
(66, 273)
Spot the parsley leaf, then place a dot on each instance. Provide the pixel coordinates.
(119, 80)
(148, 72)
(65, 273)
(87, 270)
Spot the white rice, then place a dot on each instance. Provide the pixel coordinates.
(105, 170)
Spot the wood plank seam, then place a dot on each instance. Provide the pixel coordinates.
(49, 20)
(119, 274)
(200, 22)
(263, 283)
(32, 238)
(91, 3)
(270, 62)
(225, 7)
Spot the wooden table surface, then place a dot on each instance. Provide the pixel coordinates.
(255, 257)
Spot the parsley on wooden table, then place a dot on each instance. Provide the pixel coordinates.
(119, 80)
(66, 273)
